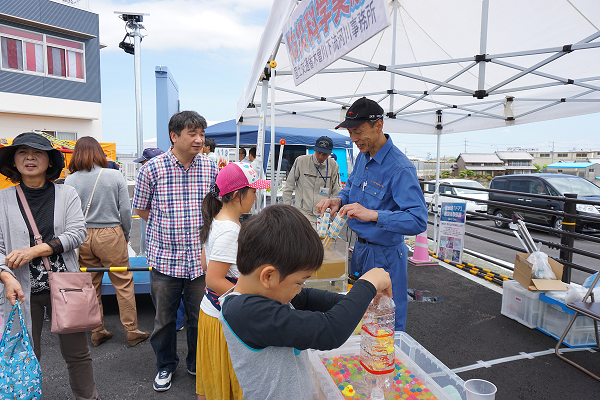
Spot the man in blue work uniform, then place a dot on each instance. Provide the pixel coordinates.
(382, 199)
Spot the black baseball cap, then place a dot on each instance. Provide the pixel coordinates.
(361, 111)
(324, 145)
(36, 141)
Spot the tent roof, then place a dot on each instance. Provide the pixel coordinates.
(224, 134)
(545, 55)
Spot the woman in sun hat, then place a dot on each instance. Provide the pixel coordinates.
(233, 195)
(34, 164)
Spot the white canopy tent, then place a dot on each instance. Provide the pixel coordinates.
(442, 67)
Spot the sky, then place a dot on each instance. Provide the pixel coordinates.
(209, 47)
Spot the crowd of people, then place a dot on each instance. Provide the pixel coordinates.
(248, 317)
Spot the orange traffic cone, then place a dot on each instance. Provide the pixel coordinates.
(421, 253)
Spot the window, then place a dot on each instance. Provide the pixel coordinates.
(41, 54)
(544, 155)
(591, 170)
(565, 155)
(581, 155)
(518, 185)
(67, 136)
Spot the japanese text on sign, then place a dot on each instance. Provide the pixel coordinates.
(321, 31)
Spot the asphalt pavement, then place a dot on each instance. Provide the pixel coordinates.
(464, 330)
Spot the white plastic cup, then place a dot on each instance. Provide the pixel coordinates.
(478, 389)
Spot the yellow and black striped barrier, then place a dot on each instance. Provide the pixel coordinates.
(115, 269)
(477, 271)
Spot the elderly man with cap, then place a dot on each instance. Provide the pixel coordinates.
(315, 177)
(382, 199)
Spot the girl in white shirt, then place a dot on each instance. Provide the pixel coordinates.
(233, 195)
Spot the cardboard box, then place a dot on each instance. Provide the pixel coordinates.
(522, 274)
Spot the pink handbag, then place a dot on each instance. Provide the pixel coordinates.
(73, 297)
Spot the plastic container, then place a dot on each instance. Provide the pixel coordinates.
(329, 390)
(434, 368)
(478, 389)
(520, 304)
(377, 350)
(554, 318)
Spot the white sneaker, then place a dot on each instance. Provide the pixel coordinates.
(162, 381)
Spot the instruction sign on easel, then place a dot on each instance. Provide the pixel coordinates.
(451, 232)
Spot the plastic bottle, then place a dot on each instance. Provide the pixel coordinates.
(377, 349)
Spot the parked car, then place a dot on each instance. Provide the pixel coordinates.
(546, 184)
(475, 196)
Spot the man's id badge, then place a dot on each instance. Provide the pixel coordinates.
(324, 191)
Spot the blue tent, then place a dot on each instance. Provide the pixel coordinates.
(224, 134)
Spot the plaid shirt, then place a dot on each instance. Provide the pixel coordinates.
(174, 197)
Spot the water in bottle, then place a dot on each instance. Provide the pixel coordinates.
(377, 349)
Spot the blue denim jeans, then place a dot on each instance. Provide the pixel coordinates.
(166, 295)
(391, 258)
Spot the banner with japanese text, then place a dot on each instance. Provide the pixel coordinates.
(451, 239)
(321, 31)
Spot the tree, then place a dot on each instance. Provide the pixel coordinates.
(445, 174)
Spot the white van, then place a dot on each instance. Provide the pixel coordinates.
(475, 196)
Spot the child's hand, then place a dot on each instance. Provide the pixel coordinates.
(380, 279)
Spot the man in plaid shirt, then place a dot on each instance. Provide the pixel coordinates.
(168, 195)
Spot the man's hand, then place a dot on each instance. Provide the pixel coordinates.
(359, 212)
(380, 279)
(333, 204)
(18, 258)
(143, 214)
(12, 287)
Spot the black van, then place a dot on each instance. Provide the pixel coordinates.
(545, 184)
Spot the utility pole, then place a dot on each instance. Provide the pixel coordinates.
(465, 145)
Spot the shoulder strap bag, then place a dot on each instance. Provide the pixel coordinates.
(73, 297)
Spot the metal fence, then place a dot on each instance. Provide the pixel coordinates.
(567, 234)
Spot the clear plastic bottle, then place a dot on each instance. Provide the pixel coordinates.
(377, 349)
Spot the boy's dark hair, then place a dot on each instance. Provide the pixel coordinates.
(185, 119)
(252, 151)
(243, 151)
(279, 236)
(210, 143)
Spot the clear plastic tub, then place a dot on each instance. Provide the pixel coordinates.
(330, 391)
(520, 304)
(554, 318)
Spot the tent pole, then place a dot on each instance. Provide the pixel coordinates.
(393, 76)
(260, 146)
(237, 138)
(483, 42)
(272, 149)
(436, 194)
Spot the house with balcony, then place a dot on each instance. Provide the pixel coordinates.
(480, 163)
(516, 162)
(49, 69)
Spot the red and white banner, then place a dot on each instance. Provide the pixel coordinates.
(320, 31)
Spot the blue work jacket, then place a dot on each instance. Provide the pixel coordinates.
(388, 184)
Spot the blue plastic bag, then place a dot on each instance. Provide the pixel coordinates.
(20, 372)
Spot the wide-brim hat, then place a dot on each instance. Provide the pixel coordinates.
(361, 111)
(237, 175)
(36, 141)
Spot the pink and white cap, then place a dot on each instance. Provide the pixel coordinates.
(237, 175)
